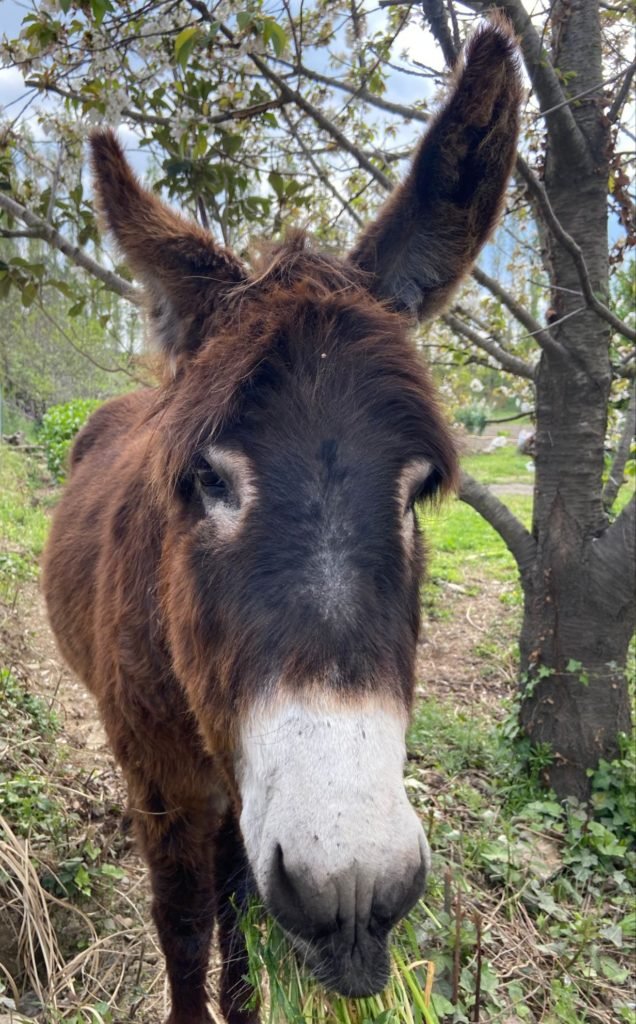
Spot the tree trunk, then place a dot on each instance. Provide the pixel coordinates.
(578, 618)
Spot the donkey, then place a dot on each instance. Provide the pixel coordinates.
(234, 568)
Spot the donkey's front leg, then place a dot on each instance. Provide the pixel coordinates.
(179, 849)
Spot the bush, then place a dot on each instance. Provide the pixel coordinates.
(473, 418)
(59, 427)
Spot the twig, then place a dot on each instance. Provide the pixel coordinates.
(73, 252)
(542, 199)
(477, 921)
(457, 951)
(507, 360)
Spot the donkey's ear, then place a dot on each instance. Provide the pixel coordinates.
(184, 272)
(434, 224)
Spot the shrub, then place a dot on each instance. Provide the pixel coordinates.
(473, 418)
(59, 427)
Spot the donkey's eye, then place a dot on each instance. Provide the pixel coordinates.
(209, 480)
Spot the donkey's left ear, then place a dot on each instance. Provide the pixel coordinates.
(434, 224)
(185, 273)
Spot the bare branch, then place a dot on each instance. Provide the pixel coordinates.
(322, 175)
(614, 111)
(507, 361)
(77, 255)
(615, 478)
(409, 113)
(86, 355)
(520, 313)
(435, 13)
(514, 534)
(540, 196)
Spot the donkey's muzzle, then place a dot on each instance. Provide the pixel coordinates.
(340, 928)
(337, 851)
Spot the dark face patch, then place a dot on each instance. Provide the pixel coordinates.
(318, 583)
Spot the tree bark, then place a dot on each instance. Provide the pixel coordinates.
(576, 627)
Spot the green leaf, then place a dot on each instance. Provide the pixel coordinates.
(277, 182)
(29, 293)
(82, 879)
(184, 44)
(111, 871)
(613, 971)
(244, 20)
(231, 143)
(99, 9)
(274, 34)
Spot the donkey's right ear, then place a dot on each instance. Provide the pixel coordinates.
(185, 273)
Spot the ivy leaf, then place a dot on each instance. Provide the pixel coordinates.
(184, 45)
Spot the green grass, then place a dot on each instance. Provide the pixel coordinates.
(461, 542)
(505, 465)
(23, 520)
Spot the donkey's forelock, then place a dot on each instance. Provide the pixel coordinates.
(306, 316)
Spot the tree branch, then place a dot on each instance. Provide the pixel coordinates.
(409, 113)
(77, 255)
(322, 175)
(80, 351)
(507, 361)
(292, 95)
(520, 313)
(540, 196)
(239, 114)
(617, 469)
(617, 104)
(514, 534)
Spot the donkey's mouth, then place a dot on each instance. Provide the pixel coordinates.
(353, 971)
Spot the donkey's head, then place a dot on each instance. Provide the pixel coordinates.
(294, 438)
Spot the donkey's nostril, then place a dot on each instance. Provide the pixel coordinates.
(394, 903)
(282, 884)
(300, 903)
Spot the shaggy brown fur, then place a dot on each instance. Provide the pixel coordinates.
(306, 368)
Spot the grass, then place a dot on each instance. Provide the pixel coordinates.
(459, 541)
(504, 465)
(23, 520)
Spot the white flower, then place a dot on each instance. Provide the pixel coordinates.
(476, 385)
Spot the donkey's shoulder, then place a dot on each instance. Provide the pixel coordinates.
(113, 421)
